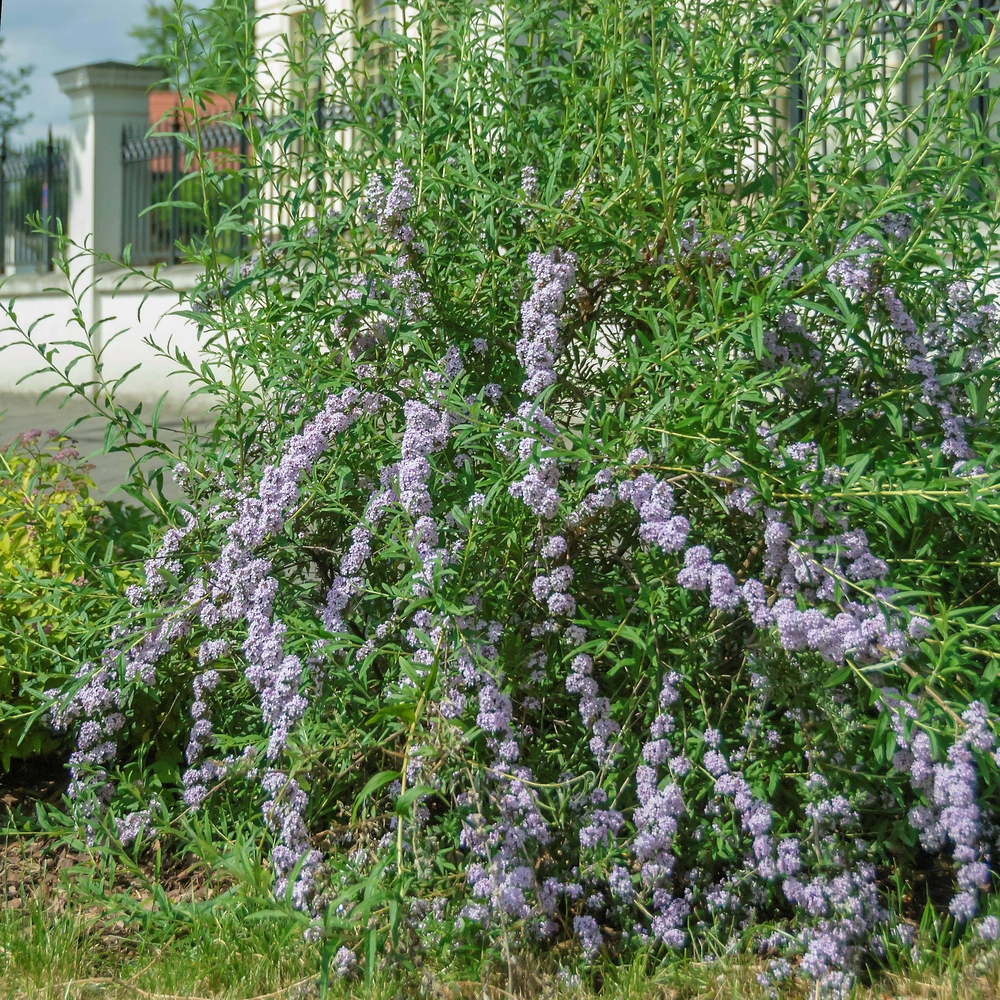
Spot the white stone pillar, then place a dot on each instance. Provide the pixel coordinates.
(279, 41)
(105, 98)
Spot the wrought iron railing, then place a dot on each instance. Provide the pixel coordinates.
(34, 181)
(165, 204)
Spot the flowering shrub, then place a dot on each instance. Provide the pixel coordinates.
(597, 538)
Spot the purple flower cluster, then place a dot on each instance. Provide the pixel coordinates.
(989, 928)
(595, 711)
(859, 628)
(529, 183)
(924, 350)
(240, 584)
(503, 879)
(952, 814)
(344, 962)
(844, 910)
(131, 827)
(853, 270)
(588, 931)
(284, 813)
(540, 489)
(755, 818)
(97, 706)
(654, 502)
(552, 590)
(656, 821)
(390, 208)
(806, 570)
(602, 825)
(201, 731)
(160, 567)
(539, 346)
(537, 350)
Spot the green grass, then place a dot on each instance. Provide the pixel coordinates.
(88, 923)
(67, 946)
(81, 950)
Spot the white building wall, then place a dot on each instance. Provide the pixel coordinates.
(131, 320)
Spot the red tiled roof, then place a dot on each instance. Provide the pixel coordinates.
(162, 104)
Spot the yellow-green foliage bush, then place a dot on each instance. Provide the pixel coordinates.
(63, 556)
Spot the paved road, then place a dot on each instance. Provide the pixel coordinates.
(24, 413)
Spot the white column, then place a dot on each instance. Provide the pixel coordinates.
(105, 98)
(277, 17)
(276, 33)
(279, 43)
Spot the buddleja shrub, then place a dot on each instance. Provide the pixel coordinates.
(597, 538)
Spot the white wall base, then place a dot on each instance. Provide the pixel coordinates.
(41, 304)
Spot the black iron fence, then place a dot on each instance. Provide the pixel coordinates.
(34, 182)
(165, 203)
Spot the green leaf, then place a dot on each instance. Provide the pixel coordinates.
(374, 783)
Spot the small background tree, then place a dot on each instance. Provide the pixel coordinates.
(171, 37)
(14, 87)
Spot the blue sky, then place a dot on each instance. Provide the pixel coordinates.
(56, 34)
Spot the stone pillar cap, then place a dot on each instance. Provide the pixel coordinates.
(108, 75)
